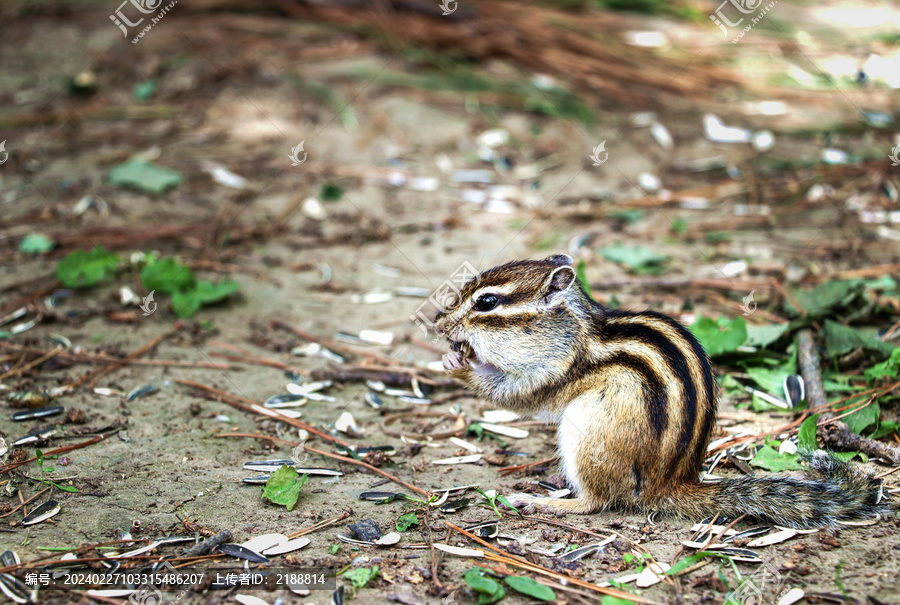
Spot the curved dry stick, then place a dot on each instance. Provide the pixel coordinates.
(254, 436)
(242, 403)
(59, 450)
(78, 357)
(38, 361)
(93, 377)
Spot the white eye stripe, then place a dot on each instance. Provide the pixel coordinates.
(516, 310)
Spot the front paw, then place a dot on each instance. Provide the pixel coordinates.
(454, 361)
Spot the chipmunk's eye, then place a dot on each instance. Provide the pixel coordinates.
(486, 302)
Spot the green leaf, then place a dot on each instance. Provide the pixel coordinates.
(771, 380)
(837, 576)
(528, 586)
(886, 428)
(769, 459)
(283, 487)
(884, 283)
(145, 177)
(638, 258)
(758, 404)
(360, 576)
(505, 502)
(717, 237)
(406, 521)
(488, 589)
(167, 276)
(773, 443)
(730, 385)
(35, 243)
(845, 456)
(608, 600)
(680, 226)
(331, 193)
(144, 91)
(187, 302)
(690, 560)
(82, 269)
(351, 453)
(66, 488)
(825, 298)
(762, 336)
(334, 549)
(840, 340)
(720, 336)
(863, 418)
(476, 430)
(839, 384)
(807, 434)
(40, 457)
(686, 562)
(629, 217)
(886, 369)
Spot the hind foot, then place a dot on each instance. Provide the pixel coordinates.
(529, 504)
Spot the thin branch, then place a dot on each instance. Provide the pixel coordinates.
(506, 470)
(84, 358)
(24, 502)
(38, 361)
(242, 403)
(839, 436)
(59, 450)
(371, 468)
(319, 525)
(92, 377)
(254, 436)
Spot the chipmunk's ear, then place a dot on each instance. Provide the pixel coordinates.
(560, 260)
(557, 284)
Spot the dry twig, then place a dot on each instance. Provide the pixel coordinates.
(247, 405)
(107, 359)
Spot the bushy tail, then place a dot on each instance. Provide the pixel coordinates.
(834, 493)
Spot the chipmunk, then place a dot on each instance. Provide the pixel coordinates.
(635, 398)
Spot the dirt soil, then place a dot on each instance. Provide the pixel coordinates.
(236, 89)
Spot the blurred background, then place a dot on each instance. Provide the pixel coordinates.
(342, 166)
(664, 144)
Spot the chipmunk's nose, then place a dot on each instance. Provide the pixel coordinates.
(440, 321)
(438, 327)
